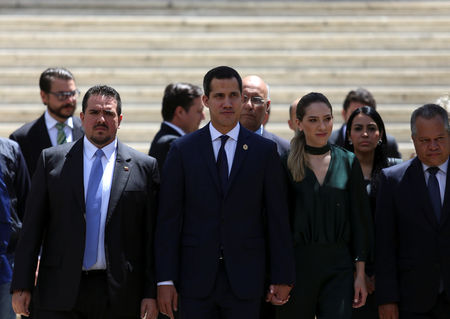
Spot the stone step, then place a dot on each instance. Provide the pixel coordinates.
(293, 8)
(152, 112)
(209, 58)
(141, 132)
(412, 95)
(232, 23)
(125, 76)
(225, 40)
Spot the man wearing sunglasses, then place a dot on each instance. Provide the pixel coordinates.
(57, 125)
(256, 104)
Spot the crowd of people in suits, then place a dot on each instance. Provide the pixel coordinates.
(224, 221)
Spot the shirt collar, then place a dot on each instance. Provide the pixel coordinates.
(260, 131)
(443, 167)
(50, 122)
(90, 149)
(215, 134)
(176, 128)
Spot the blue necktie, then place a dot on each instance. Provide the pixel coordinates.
(93, 214)
(222, 164)
(435, 193)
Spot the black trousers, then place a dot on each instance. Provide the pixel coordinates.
(92, 301)
(221, 304)
(324, 284)
(440, 311)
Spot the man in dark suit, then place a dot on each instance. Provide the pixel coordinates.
(413, 225)
(356, 99)
(256, 106)
(182, 112)
(57, 125)
(91, 209)
(219, 185)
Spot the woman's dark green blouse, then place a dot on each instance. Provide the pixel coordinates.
(336, 212)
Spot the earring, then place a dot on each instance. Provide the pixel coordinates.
(350, 142)
(380, 142)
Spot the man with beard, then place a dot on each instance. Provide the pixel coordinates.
(57, 125)
(255, 107)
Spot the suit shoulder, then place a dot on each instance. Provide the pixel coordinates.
(334, 136)
(23, 131)
(398, 171)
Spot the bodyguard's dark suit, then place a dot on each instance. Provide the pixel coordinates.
(55, 218)
(33, 138)
(337, 138)
(161, 143)
(412, 249)
(283, 145)
(194, 218)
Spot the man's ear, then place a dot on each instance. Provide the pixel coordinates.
(44, 97)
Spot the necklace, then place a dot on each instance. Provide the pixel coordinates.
(317, 150)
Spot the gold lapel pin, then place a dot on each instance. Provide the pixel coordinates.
(125, 168)
(245, 147)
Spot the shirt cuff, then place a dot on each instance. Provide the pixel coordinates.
(165, 283)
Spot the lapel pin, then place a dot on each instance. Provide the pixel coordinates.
(245, 147)
(125, 168)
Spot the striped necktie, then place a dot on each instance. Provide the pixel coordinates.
(61, 137)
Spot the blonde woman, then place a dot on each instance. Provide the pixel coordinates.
(330, 219)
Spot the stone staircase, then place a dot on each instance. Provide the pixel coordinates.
(398, 50)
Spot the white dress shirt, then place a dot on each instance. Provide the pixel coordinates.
(108, 161)
(50, 122)
(176, 128)
(230, 145)
(441, 177)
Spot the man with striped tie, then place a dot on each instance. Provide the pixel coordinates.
(57, 125)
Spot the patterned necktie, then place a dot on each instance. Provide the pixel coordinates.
(434, 191)
(93, 205)
(61, 137)
(222, 164)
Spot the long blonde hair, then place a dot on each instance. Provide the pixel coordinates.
(297, 159)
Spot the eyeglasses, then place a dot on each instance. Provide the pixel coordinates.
(254, 100)
(62, 96)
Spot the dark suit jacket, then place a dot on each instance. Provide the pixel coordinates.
(33, 138)
(55, 219)
(412, 249)
(337, 138)
(195, 219)
(283, 145)
(161, 143)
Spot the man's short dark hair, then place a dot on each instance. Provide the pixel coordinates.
(429, 111)
(178, 94)
(220, 72)
(102, 90)
(359, 95)
(47, 77)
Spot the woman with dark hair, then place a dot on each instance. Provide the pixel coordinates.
(366, 137)
(330, 219)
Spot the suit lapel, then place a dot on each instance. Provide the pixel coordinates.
(74, 170)
(240, 155)
(206, 149)
(43, 139)
(446, 205)
(122, 169)
(420, 192)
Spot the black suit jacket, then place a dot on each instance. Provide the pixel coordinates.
(337, 138)
(161, 143)
(283, 145)
(33, 138)
(195, 219)
(412, 249)
(55, 219)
